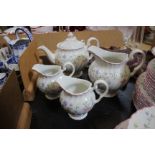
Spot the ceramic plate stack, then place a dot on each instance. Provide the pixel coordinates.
(150, 79)
(41, 29)
(12, 30)
(141, 119)
(145, 88)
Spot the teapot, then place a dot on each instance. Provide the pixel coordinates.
(78, 96)
(46, 81)
(71, 50)
(18, 45)
(112, 67)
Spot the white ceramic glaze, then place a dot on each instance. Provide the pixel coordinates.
(78, 96)
(143, 119)
(112, 67)
(47, 81)
(70, 50)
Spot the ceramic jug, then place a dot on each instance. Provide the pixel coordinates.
(71, 50)
(49, 74)
(18, 45)
(112, 67)
(78, 96)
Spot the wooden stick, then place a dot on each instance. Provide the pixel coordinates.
(24, 120)
(29, 93)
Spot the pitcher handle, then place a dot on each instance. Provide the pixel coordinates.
(101, 95)
(25, 30)
(131, 56)
(73, 68)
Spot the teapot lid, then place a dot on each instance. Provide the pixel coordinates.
(71, 43)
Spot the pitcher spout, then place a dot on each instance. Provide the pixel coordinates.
(74, 86)
(49, 53)
(38, 68)
(47, 70)
(108, 56)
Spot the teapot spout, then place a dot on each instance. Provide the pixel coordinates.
(49, 53)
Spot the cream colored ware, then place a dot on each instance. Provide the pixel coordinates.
(78, 96)
(49, 74)
(71, 50)
(112, 67)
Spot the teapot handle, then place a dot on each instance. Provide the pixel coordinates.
(89, 44)
(101, 95)
(25, 30)
(131, 56)
(91, 39)
(73, 68)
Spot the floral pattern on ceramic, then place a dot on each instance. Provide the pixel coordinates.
(8, 60)
(18, 45)
(112, 67)
(12, 63)
(70, 50)
(47, 81)
(78, 59)
(143, 119)
(80, 62)
(97, 72)
(78, 97)
(50, 87)
(2, 64)
(81, 105)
